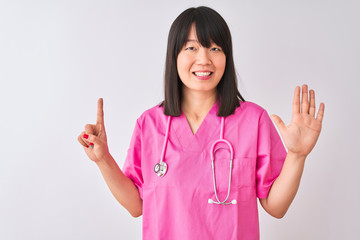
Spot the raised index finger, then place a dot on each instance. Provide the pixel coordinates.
(100, 112)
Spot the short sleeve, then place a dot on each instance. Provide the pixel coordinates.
(132, 165)
(271, 155)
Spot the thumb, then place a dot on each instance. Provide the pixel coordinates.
(279, 123)
(90, 129)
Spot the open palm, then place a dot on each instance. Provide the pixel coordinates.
(301, 135)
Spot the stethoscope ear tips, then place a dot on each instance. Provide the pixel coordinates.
(210, 201)
(234, 201)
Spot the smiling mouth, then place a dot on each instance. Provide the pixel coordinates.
(202, 74)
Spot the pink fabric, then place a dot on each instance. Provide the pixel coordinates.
(176, 205)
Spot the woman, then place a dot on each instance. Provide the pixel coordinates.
(185, 182)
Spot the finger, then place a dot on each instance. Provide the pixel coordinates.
(296, 100)
(304, 99)
(312, 109)
(100, 112)
(81, 141)
(84, 137)
(320, 114)
(90, 128)
(89, 138)
(279, 123)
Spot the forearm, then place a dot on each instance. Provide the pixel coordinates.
(285, 187)
(123, 189)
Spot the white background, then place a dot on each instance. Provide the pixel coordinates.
(58, 57)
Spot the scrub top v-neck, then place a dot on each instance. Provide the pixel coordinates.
(176, 206)
(187, 139)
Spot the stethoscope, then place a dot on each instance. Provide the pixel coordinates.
(161, 168)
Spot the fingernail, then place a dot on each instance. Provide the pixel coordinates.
(87, 146)
(91, 143)
(86, 136)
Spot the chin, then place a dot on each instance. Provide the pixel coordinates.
(202, 89)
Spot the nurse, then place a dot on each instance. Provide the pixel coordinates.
(202, 104)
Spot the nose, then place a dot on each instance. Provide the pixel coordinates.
(203, 57)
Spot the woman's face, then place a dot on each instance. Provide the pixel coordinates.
(200, 68)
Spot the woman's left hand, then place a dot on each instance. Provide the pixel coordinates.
(301, 134)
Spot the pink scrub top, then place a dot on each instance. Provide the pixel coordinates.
(176, 206)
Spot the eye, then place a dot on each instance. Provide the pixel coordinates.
(216, 49)
(190, 48)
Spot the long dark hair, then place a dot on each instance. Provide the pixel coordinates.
(210, 26)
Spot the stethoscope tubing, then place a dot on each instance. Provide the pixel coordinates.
(161, 167)
(212, 152)
(165, 139)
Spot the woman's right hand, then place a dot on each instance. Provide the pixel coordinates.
(94, 138)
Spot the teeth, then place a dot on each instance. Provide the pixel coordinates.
(202, 73)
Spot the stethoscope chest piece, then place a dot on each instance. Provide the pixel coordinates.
(160, 169)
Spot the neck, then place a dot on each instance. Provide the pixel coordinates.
(197, 104)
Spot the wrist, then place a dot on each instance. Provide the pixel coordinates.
(106, 160)
(296, 156)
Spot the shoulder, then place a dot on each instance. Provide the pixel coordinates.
(249, 117)
(250, 109)
(248, 113)
(153, 114)
(251, 106)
